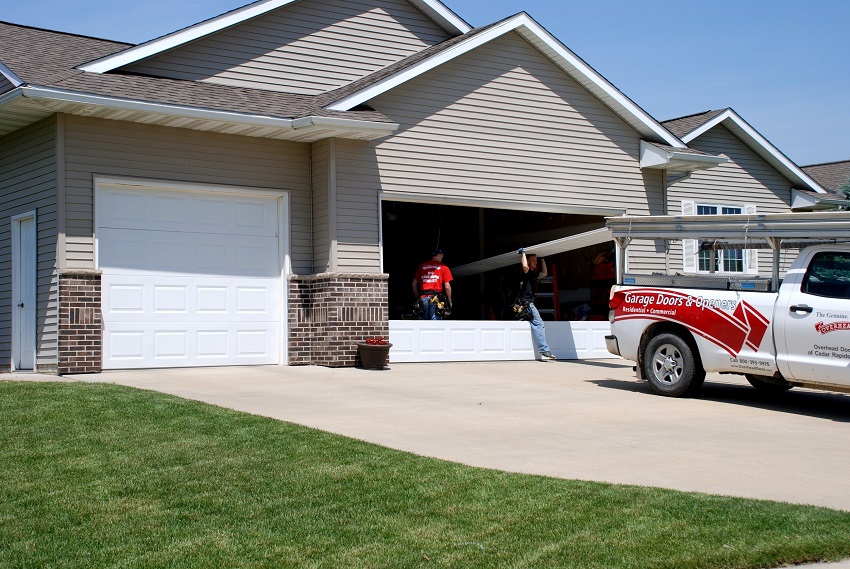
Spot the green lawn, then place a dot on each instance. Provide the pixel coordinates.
(96, 475)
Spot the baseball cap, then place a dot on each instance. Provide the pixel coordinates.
(437, 252)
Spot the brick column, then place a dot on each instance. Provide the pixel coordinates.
(330, 312)
(80, 322)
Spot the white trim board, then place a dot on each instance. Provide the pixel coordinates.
(10, 75)
(432, 8)
(418, 197)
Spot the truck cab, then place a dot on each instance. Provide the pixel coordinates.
(812, 318)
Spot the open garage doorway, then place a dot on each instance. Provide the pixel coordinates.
(481, 326)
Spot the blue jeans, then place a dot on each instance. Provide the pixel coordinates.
(429, 308)
(537, 329)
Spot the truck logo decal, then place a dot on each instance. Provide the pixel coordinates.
(831, 327)
(710, 318)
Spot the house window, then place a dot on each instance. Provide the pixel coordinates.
(726, 260)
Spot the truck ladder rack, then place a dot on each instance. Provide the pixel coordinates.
(775, 231)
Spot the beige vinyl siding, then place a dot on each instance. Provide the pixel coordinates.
(357, 223)
(5, 84)
(96, 147)
(306, 47)
(745, 179)
(499, 123)
(503, 122)
(321, 191)
(28, 177)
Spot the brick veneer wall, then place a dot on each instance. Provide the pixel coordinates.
(330, 312)
(80, 322)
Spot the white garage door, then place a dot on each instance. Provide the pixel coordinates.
(189, 278)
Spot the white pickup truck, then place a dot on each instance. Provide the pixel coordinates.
(778, 333)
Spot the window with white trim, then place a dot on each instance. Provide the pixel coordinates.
(725, 260)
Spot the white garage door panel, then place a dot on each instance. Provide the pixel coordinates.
(168, 210)
(190, 298)
(136, 252)
(189, 278)
(172, 344)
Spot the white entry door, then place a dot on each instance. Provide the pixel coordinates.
(23, 291)
(190, 278)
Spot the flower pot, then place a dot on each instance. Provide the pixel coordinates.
(374, 356)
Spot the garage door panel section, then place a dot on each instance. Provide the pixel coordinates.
(189, 278)
(186, 212)
(189, 298)
(136, 252)
(172, 344)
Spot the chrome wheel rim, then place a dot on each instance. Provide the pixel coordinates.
(668, 364)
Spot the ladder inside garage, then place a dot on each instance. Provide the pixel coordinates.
(546, 299)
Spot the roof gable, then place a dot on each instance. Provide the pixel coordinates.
(374, 85)
(694, 126)
(434, 9)
(307, 47)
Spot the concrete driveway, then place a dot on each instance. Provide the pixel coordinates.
(580, 420)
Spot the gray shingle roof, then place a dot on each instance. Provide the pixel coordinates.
(41, 57)
(48, 59)
(830, 175)
(683, 125)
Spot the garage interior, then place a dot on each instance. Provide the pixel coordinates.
(411, 231)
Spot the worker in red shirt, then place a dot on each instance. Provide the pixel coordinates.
(433, 279)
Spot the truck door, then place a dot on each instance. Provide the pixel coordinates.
(813, 319)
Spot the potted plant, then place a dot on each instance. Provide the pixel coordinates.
(374, 352)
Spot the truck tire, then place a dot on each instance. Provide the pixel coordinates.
(670, 366)
(763, 384)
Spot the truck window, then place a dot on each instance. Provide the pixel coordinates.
(828, 275)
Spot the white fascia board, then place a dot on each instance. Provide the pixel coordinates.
(180, 37)
(803, 201)
(791, 170)
(333, 122)
(653, 157)
(10, 75)
(565, 58)
(43, 93)
(144, 106)
(10, 96)
(697, 158)
(441, 14)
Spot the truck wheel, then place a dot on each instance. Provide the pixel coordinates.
(767, 386)
(670, 366)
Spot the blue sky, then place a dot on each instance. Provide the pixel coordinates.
(783, 65)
